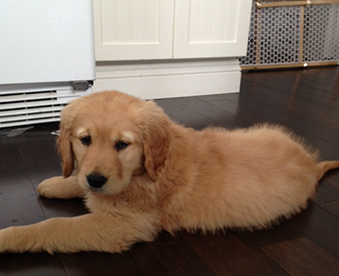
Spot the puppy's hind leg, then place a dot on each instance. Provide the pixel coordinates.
(60, 187)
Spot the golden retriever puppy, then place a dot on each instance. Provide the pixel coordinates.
(140, 173)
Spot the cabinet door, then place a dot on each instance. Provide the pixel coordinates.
(133, 29)
(211, 28)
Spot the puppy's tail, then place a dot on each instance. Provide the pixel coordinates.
(325, 166)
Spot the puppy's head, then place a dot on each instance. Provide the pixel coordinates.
(113, 137)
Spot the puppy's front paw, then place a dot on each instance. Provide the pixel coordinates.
(51, 187)
(59, 187)
(20, 239)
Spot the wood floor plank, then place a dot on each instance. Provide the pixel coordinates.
(326, 192)
(103, 264)
(229, 255)
(329, 74)
(276, 234)
(170, 255)
(189, 117)
(27, 264)
(303, 257)
(220, 117)
(297, 82)
(38, 150)
(18, 199)
(63, 207)
(270, 93)
(152, 265)
(315, 221)
(319, 225)
(301, 107)
(244, 112)
(332, 207)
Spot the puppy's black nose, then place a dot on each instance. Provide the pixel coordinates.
(96, 180)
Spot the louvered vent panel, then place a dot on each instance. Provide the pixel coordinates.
(32, 107)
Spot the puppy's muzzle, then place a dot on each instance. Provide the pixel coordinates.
(96, 181)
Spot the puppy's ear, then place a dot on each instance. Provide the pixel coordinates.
(157, 139)
(64, 143)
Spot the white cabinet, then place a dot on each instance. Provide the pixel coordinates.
(163, 29)
(133, 29)
(211, 28)
(183, 43)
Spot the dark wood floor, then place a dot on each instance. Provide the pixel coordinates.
(307, 101)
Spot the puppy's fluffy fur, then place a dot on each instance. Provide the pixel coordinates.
(140, 173)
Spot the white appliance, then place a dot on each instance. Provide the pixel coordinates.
(46, 58)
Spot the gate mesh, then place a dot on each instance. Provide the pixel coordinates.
(321, 39)
(274, 35)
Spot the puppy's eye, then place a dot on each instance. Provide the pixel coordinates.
(120, 145)
(86, 141)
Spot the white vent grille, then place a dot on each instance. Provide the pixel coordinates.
(26, 107)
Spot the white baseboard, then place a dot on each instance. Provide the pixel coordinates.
(166, 79)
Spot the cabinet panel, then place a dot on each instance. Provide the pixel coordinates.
(211, 28)
(139, 20)
(133, 29)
